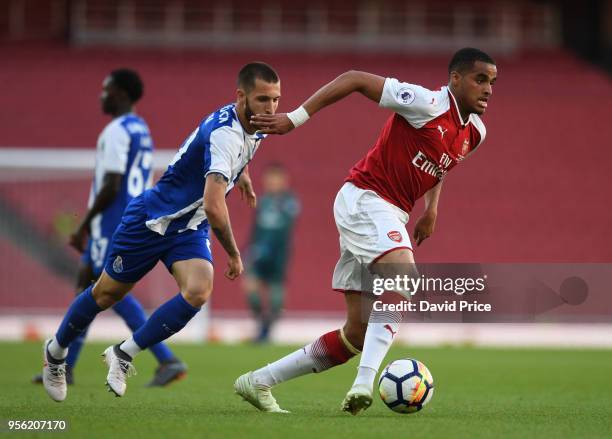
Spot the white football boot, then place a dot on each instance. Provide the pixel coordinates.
(358, 399)
(54, 375)
(258, 396)
(119, 369)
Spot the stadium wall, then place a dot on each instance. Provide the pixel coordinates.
(533, 193)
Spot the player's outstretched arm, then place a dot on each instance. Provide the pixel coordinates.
(368, 84)
(219, 220)
(109, 190)
(425, 225)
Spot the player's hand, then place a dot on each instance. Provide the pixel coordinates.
(272, 123)
(78, 239)
(424, 227)
(234, 267)
(245, 187)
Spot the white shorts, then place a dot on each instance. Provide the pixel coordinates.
(369, 228)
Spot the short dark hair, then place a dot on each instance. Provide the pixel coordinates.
(255, 70)
(128, 81)
(465, 58)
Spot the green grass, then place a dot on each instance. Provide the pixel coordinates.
(489, 393)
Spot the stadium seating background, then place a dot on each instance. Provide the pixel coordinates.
(535, 192)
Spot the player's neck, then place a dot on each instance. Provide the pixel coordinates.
(463, 114)
(122, 111)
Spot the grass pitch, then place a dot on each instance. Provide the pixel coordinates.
(488, 393)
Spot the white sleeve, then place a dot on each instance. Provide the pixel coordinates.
(414, 103)
(116, 148)
(224, 152)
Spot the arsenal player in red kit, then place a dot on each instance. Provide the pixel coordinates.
(430, 132)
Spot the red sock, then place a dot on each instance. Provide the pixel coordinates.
(329, 350)
(325, 352)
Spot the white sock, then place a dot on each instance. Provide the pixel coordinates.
(130, 347)
(365, 377)
(382, 327)
(56, 351)
(327, 351)
(295, 364)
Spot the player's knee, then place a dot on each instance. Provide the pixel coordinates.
(106, 296)
(196, 294)
(355, 334)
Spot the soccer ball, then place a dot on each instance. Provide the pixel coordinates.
(406, 385)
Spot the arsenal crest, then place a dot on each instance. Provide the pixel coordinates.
(394, 235)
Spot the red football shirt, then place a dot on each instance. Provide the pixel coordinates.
(418, 145)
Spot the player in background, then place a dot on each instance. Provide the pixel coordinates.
(269, 248)
(170, 223)
(124, 159)
(428, 134)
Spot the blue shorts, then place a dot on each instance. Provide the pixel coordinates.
(135, 249)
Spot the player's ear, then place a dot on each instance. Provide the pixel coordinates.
(240, 94)
(455, 77)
